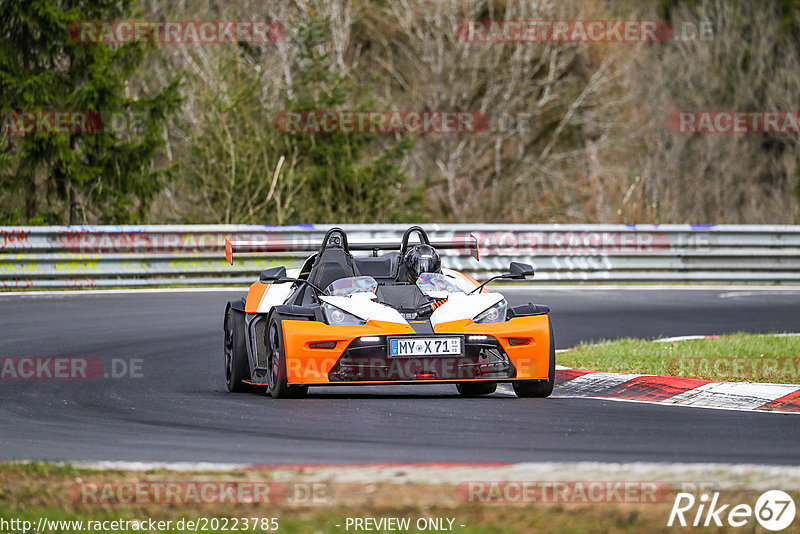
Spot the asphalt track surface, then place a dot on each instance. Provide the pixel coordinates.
(179, 409)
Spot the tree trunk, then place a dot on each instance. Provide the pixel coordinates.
(71, 202)
(29, 186)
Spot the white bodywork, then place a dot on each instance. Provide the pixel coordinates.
(276, 294)
(459, 306)
(460, 280)
(463, 306)
(363, 305)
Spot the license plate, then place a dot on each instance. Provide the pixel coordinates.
(425, 346)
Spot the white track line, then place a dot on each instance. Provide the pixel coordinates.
(742, 294)
(679, 338)
(515, 288)
(123, 465)
(668, 404)
(121, 291)
(659, 287)
(712, 336)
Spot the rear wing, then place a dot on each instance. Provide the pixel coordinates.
(466, 243)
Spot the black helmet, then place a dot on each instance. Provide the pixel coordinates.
(421, 259)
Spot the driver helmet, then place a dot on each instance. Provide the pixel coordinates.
(421, 259)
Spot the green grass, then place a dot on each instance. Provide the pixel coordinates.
(43, 469)
(735, 357)
(33, 491)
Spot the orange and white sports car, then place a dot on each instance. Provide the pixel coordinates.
(391, 318)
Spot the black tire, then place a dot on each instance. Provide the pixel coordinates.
(539, 388)
(474, 389)
(236, 367)
(278, 386)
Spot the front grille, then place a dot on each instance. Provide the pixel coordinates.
(369, 362)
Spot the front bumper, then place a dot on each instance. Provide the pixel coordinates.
(320, 354)
(367, 361)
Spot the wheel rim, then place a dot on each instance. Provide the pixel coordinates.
(228, 349)
(274, 355)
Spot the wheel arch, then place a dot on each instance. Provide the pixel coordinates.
(236, 305)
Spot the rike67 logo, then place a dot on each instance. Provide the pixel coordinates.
(774, 510)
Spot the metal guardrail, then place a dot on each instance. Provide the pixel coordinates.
(113, 256)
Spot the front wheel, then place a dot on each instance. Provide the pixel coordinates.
(539, 388)
(474, 389)
(237, 370)
(276, 376)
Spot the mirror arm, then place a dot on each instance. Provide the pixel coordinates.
(486, 282)
(506, 276)
(300, 281)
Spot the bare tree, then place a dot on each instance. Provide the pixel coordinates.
(532, 164)
(578, 130)
(750, 64)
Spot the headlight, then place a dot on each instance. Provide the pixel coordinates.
(495, 314)
(339, 317)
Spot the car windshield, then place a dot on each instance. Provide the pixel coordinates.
(428, 282)
(354, 284)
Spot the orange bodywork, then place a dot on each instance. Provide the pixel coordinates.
(307, 365)
(531, 359)
(254, 296)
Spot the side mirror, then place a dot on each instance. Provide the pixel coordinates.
(516, 271)
(520, 270)
(272, 275)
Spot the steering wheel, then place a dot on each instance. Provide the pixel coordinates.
(330, 236)
(423, 237)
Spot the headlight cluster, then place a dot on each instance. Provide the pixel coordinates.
(495, 314)
(339, 317)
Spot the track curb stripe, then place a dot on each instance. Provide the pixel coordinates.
(593, 384)
(566, 374)
(787, 403)
(654, 388)
(742, 395)
(678, 391)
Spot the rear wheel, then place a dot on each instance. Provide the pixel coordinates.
(236, 367)
(278, 386)
(540, 388)
(474, 389)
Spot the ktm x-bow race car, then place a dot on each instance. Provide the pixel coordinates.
(391, 318)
